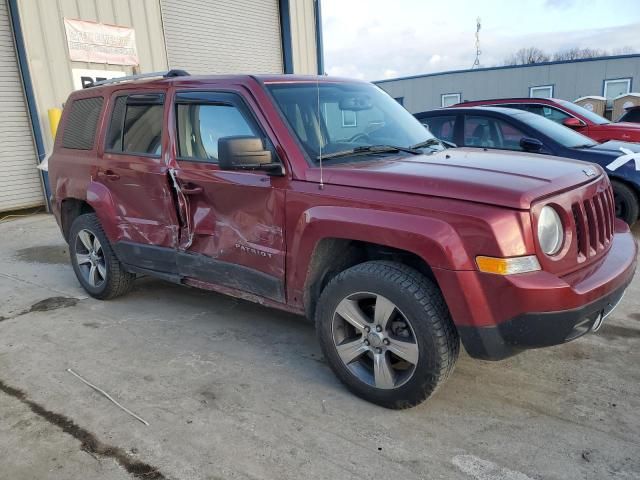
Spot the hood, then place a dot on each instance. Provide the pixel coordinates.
(508, 179)
(612, 147)
(625, 131)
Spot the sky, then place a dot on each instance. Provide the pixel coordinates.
(376, 39)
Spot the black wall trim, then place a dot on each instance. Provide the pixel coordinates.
(319, 37)
(285, 34)
(172, 265)
(29, 93)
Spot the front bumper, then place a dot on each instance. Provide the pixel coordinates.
(499, 316)
(536, 330)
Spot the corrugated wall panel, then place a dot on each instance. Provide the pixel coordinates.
(46, 44)
(20, 184)
(571, 80)
(223, 37)
(303, 37)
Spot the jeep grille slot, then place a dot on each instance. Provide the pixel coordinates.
(594, 219)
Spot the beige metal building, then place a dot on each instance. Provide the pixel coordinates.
(39, 65)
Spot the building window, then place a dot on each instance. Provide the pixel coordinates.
(542, 91)
(349, 118)
(400, 100)
(449, 99)
(615, 88)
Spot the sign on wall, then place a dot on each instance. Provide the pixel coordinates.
(100, 43)
(83, 78)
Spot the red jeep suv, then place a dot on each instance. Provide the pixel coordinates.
(570, 115)
(324, 197)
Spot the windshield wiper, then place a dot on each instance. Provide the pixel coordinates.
(431, 142)
(370, 149)
(586, 145)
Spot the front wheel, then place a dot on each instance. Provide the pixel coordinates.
(626, 202)
(98, 269)
(386, 333)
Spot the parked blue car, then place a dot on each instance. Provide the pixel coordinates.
(511, 129)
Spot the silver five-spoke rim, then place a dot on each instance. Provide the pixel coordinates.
(375, 340)
(90, 258)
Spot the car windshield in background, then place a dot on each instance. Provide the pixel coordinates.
(561, 134)
(342, 120)
(593, 117)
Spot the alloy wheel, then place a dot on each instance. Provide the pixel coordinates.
(375, 340)
(90, 258)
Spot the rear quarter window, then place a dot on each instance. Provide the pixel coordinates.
(80, 128)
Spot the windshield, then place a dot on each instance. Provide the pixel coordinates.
(561, 134)
(592, 117)
(340, 117)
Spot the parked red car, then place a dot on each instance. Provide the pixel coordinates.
(325, 197)
(570, 115)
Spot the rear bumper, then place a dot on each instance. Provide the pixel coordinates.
(499, 316)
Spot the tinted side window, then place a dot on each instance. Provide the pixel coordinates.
(114, 135)
(631, 116)
(142, 132)
(490, 132)
(80, 129)
(551, 113)
(200, 126)
(136, 124)
(442, 127)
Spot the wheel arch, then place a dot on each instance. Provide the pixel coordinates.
(99, 201)
(328, 240)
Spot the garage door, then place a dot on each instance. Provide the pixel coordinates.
(219, 36)
(20, 185)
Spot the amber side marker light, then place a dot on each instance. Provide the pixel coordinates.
(508, 266)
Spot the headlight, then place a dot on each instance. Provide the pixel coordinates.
(550, 231)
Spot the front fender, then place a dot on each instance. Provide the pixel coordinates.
(432, 239)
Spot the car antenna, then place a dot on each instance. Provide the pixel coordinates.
(321, 186)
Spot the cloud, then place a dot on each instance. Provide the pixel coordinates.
(560, 4)
(371, 38)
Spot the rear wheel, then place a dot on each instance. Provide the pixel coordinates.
(626, 202)
(386, 333)
(98, 270)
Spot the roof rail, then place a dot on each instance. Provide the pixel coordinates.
(130, 78)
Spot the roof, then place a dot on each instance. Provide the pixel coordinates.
(504, 67)
(471, 103)
(447, 110)
(590, 97)
(204, 79)
(632, 94)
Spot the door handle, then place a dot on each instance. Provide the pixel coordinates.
(111, 175)
(191, 189)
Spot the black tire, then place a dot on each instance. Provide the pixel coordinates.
(416, 298)
(117, 281)
(626, 202)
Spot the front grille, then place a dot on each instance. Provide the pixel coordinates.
(594, 219)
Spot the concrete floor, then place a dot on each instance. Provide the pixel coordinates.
(232, 390)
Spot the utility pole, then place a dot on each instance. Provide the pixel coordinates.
(476, 63)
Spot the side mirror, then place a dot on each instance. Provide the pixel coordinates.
(532, 145)
(245, 153)
(573, 122)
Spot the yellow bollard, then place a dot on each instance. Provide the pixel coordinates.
(54, 120)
